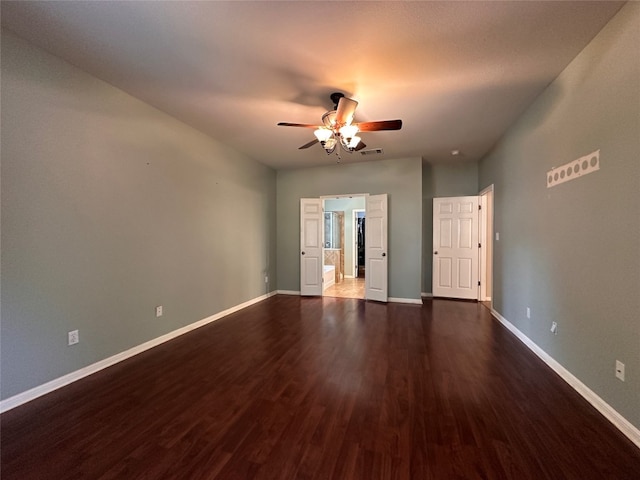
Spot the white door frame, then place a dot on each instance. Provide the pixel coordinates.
(486, 239)
(320, 270)
(324, 198)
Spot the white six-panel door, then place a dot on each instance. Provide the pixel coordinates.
(455, 247)
(376, 258)
(311, 224)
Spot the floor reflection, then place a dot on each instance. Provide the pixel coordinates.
(347, 288)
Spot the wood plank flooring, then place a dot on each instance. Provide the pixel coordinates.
(322, 388)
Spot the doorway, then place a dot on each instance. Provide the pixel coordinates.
(312, 243)
(463, 247)
(343, 256)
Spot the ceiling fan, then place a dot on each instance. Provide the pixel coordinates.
(338, 127)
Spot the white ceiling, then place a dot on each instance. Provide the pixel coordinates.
(457, 73)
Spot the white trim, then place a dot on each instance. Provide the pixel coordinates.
(486, 190)
(621, 423)
(60, 382)
(415, 301)
(486, 226)
(426, 295)
(344, 195)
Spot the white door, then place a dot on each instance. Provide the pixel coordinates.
(485, 220)
(455, 247)
(311, 225)
(376, 257)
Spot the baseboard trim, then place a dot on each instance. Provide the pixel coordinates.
(426, 295)
(32, 394)
(621, 423)
(414, 301)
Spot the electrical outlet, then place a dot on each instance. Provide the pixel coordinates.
(266, 279)
(73, 337)
(498, 236)
(620, 370)
(528, 312)
(554, 328)
(159, 311)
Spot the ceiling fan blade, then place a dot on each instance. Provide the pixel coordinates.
(303, 125)
(310, 144)
(381, 125)
(360, 146)
(346, 109)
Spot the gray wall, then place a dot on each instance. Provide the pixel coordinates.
(109, 208)
(401, 179)
(455, 179)
(572, 252)
(346, 205)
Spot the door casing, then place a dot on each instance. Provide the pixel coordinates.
(311, 238)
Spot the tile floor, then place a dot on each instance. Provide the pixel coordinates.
(347, 288)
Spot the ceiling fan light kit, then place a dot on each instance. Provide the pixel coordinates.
(337, 127)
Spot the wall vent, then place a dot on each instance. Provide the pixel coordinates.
(371, 151)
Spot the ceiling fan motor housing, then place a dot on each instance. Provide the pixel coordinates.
(335, 98)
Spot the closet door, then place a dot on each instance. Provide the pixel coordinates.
(311, 224)
(455, 247)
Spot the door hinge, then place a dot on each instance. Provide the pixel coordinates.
(479, 207)
(479, 245)
(478, 282)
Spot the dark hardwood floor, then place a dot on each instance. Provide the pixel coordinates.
(322, 388)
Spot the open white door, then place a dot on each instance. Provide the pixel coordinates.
(455, 247)
(376, 248)
(311, 246)
(486, 241)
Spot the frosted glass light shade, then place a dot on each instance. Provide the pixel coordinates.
(353, 143)
(323, 134)
(349, 131)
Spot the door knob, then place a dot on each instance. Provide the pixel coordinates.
(302, 253)
(435, 253)
(384, 254)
